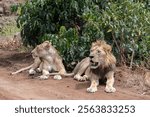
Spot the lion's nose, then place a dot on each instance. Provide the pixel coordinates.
(91, 56)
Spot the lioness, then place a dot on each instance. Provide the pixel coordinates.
(100, 64)
(46, 59)
(51, 61)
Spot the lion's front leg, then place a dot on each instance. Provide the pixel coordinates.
(39, 69)
(46, 68)
(35, 65)
(110, 82)
(93, 87)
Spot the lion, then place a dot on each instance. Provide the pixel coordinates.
(147, 79)
(51, 61)
(100, 64)
(46, 60)
(146, 83)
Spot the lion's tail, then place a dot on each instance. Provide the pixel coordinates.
(22, 69)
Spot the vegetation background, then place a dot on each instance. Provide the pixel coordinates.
(72, 25)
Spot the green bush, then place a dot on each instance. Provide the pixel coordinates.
(71, 25)
(39, 17)
(124, 24)
(72, 47)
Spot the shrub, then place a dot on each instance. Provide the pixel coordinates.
(72, 47)
(72, 25)
(39, 17)
(125, 24)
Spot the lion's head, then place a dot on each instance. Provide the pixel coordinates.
(100, 55)
(43, 50)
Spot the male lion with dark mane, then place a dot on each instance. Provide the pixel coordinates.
(100, 64)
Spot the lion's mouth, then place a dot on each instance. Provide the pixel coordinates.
(94, 65)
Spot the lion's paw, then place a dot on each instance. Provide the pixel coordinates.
(43, 77)
(39, 70)
(57, 77)
(80, 78)
(91, 90)
(32, 72)
(110, 89)
(77, 77)
(85, 77)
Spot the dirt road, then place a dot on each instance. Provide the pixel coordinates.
(23, 86)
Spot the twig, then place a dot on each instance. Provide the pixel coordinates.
(122, 59)
(132, 56)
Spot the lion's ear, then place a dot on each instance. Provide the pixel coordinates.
(93, 44)
(47, 46)
(47, 42)
(38, 48)
(108, 48)
(50, 43)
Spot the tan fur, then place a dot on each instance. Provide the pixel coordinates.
(100, 64)
(147, 79)
(51, 61)
(146, 83)
(46, 59)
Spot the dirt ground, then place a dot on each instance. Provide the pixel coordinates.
(23, 86)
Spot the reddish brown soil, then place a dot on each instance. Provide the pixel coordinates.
(23, 86)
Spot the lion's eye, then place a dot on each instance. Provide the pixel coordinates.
(98, 51)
